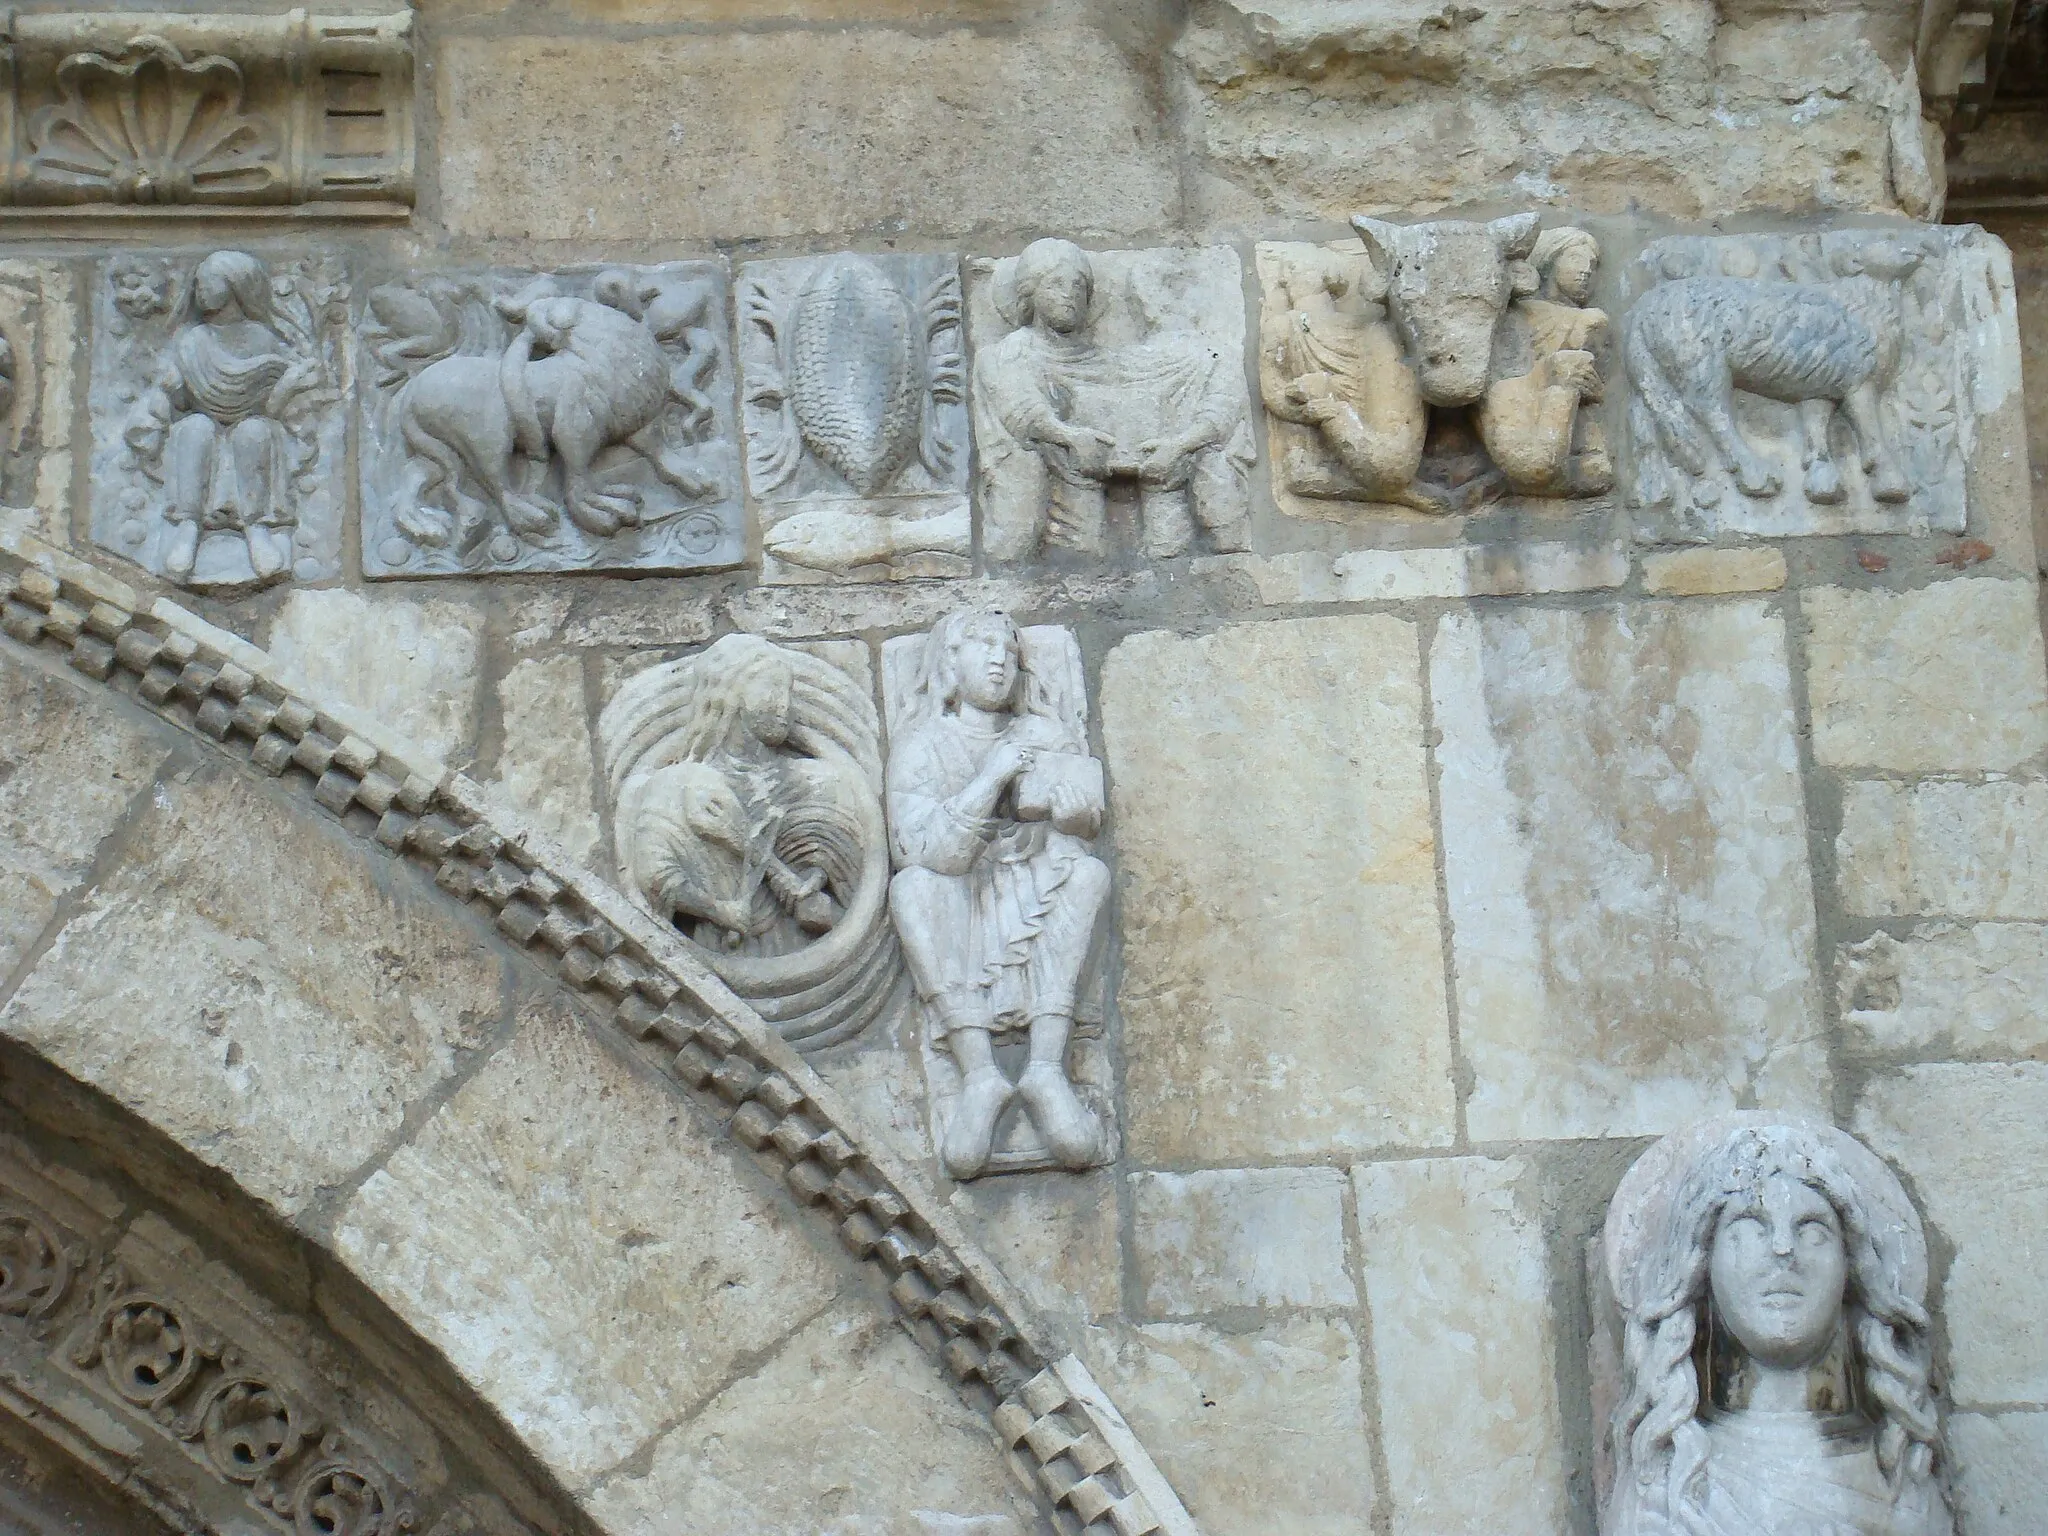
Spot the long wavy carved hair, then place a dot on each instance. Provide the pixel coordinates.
(938, 692)
(1658, 1442)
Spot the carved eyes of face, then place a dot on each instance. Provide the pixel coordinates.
(1574, 274)
(214, 292)
(1061, 297)
(1779, 1269)
(985, 666)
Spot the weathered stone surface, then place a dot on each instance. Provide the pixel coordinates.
(1463, 1346)
(252, 984)
(1625, 854)
(1239, 1237)
(39, 323)
(1947, 991)
(1058, 1237)
(588, 1254)
(1283, 976)
(70, 764)
(1949, 677)
(1973, 1141)
(1403, 575)
(1707, 572)
(886, 1445)
(412, 665)
(1944, 849)
(799, 131)
(546, 763)
(2001, 1471)
(1259, 1430)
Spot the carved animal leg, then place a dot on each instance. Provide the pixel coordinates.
(1712, 397)
(1887, 481)
(1661, 392)
(648, 444)
(1823, 480)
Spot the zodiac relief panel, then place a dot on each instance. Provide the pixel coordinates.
(994, 803)
(1433, 368)
(217, 408)
(1104, 377)
(1772, 1281)
(1800, 384)
(855, 411)
(560, 421)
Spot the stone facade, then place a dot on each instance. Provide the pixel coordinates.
(969, 768)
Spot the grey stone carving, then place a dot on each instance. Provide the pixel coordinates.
(218, 431)
(745, 786)
(854, 406)
(1772, 1278)
(212, 110)
(1798, 384)
(573, 420)
(1101, 370)
(994, 801)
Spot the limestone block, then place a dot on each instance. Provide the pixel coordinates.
(546, 764)
(251, 983)
(1947, 991)
(1973, 1141)
(1258, 1429)
(1456, 1280)
(783, 612)
(1102, 370)
(39, 326)
(799, 131)
(1283, 989)
(590, 1256)
(412, 665)
(1949, 677)
(1710, 572)
(1239, 1237)
(886, 1446)
(70, 764)
(1404, 575)
(856, 419)
(1944, 848)
(2001, 1471)
(207, 470)
(630, 460)
(1057, 1238)
(1885, 318)
(1625, 855)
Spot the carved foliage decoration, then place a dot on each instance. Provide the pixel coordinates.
(218, 427)
(574, 420)
(745, 786)
(854, 407)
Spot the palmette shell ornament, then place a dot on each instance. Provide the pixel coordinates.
(853, 374)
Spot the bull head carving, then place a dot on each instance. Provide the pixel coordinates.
(1448, 284)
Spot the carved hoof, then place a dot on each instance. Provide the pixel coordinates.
(1890, 485)
(529, 516)
(972, 1132)
(1071, 1133)
(1823, 483)
(1757, 480)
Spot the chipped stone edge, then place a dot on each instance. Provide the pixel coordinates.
(1064, 1436)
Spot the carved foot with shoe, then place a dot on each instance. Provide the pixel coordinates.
(1071, 1132)
(984, 1095)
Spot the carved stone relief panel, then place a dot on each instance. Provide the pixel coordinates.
(855, 410)
(1105, 371)
(1432, 368)
(745, 788)
(994, 804)
(1772, 1280)
(111, 108)
(1799, 384)
(561, 421)
(217, 416)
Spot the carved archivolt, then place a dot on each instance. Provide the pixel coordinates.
(208, 110)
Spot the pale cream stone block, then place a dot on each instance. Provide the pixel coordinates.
(2001, 1471)
(1055, 1235)
(586, 1251)
(546, 765)
(1259, 1430)
(1625, 853)
(71, 761)
(1239, 1237)
(1944, 849)
(1949, 677)
(1409, 575)
(1948, 991)
(1283, 977)
(799, 131)
(847, 1428)
(1463, 1345)
(412, 665)
(1710, 572)
(1973, 1141)
(247, 981)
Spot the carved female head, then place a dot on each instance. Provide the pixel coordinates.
(1055, 285)
(1566, 259)
(234, 278)
(1785, 1245)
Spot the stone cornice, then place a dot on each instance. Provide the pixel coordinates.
(1065, 1437)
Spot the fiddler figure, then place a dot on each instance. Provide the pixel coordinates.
(992, 801)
